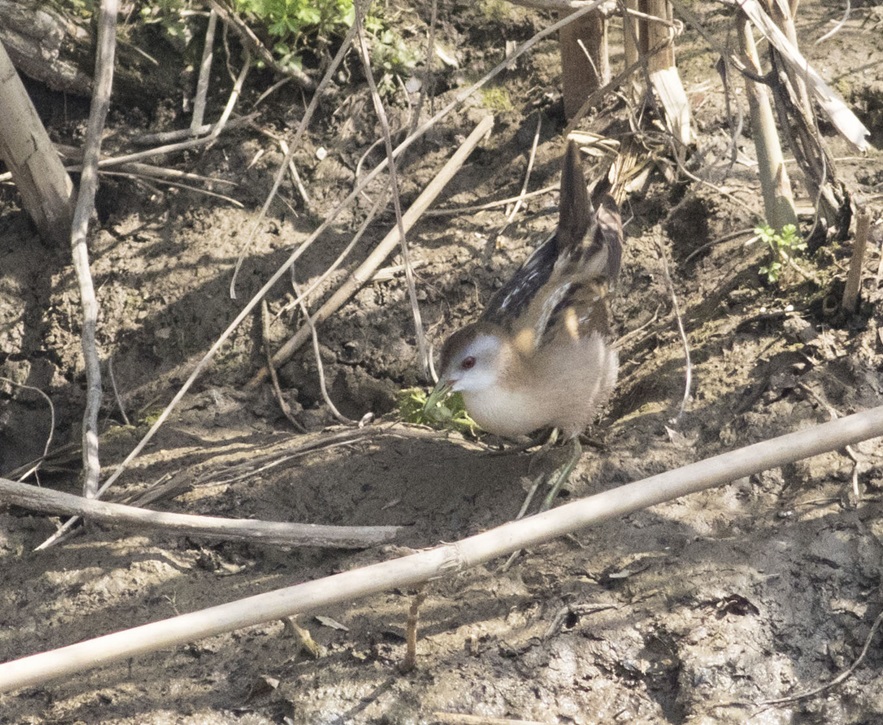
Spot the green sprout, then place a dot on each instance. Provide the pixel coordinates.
(295, 25)
(448, 414)
(783, 246)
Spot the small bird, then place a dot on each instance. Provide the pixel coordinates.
(540, 355)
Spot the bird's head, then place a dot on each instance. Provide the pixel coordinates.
(471, 361)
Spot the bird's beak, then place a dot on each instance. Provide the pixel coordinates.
(441, 391)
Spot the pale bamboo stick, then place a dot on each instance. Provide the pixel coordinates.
(443, 560)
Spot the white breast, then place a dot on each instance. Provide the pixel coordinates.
(504, 412)
(562, 391)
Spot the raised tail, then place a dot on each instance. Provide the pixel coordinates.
(592, 232)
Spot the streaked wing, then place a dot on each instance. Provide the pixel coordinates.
(560, 293)
(608, 234)
(513, 298)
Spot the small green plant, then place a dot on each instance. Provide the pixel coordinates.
(496, 99)
(449, 414)
(171, 17)
(296, 25)
(783, 246)
(289, 22)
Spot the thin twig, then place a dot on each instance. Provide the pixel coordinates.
(235, 93)
(632, 335)
(717, 189)
(320, 366)
(520, 200)
(837, 680)
(456, 211)
(748, 231)
(79, 244)
(688, 364)
(837, 28)
(33, 468)
(295, 176)
(420, 332)
(116, 392)
(274, 378)
(164, 137)
(173, 184)
(426, 75)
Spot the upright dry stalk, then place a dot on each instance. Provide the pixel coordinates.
(796, 113)
(658, 28)
(79, 248)
(46, 189)
(653, 32)
(585, 61)
(778, 199)
(631, 33)
(854, 278)
(205, 70)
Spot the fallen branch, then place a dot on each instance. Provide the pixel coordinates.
(281, 533)
(445, 560)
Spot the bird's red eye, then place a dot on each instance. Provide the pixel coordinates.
(468, 363)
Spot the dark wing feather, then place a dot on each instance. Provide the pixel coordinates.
(562, 288)
(510, 301)
(606, 237)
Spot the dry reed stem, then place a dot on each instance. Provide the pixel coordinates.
(281, 533)
(444, 560)
(854, 276)
(205, 70)
(79, 241)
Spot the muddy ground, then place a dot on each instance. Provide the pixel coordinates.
(700, 610)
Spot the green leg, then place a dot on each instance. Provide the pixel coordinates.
(559, 478)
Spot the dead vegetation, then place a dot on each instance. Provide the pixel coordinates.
(191, 371)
